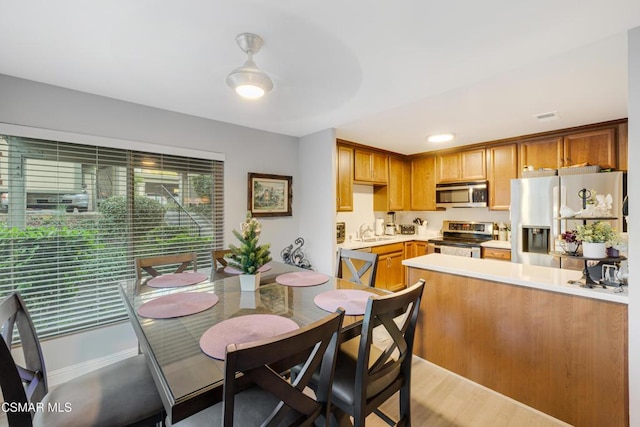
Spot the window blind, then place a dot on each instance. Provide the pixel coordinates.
(74, 217)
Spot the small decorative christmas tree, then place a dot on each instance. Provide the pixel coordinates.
(250, 256)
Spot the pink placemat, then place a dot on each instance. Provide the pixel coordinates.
(231, 270)
(177, 279)
(176, 305)
(353, 301)
(242, 329)
(302, 278)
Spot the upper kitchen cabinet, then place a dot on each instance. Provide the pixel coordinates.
(423, 183)
(370, 167)
(594, 148)
(467, 165)
(541, 153)
(503, 167)
(393, 196)
(344, 196)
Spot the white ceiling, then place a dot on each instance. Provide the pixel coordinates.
(383, 73)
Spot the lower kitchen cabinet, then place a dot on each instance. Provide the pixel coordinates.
(496, 253)
(390, 274)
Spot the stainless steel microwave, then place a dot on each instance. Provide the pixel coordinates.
(462, 195)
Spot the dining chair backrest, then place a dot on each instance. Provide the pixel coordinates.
(261, 363)
(26, 384)
(361, 266)
(149, 264)
(383, 366)
(217, 258)
(122, 393)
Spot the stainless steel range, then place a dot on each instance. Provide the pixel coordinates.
(462, 238)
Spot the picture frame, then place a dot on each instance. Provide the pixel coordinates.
(269, 195)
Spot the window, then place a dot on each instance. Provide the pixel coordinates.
(73, 218)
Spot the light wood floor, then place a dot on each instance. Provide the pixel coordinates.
(440, 398)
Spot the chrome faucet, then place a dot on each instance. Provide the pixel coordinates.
(362, 233)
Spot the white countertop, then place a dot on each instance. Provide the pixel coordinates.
(498, 244)
(532, 276)
(386, 240)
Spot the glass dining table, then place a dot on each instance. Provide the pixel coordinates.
(190, 380)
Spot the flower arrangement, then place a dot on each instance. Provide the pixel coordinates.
(570, 242)
(597, 232)
(249, 256)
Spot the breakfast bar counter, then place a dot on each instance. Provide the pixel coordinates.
(532, 276)
(524, 332)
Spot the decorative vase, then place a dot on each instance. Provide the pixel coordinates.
(594, 250)
(249, 282)
(570, 247)
(613, 252)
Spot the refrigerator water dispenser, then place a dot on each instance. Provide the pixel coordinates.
(536, 239)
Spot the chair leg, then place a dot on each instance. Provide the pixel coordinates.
(405, 404)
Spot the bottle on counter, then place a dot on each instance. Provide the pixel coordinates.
(502, 231)
(495, 231)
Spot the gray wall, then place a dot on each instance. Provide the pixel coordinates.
(36, 105)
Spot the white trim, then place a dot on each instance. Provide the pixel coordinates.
(101, 141)
(68, 373)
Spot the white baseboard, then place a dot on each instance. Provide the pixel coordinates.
(65, 374)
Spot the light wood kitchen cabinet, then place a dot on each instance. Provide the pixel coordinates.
(467, 165)
(370, 167)
(423, 183)
(503, 167)
(344, 194)
(595, 148)
(390, 273)
(623, 147)
(391, 197)
(496, 253)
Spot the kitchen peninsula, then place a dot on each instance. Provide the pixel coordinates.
(522, 331)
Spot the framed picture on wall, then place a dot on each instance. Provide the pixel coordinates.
(269, 195)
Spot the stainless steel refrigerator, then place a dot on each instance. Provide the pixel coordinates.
(535, 206)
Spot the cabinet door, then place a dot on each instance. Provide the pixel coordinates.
(409, 250)
(395, 271)
(379, 166)
(623, 146)
(396, 184)
(449, 167)
(496, 253)
(423, 183)
(421, 248)
(344, 200)
(541, 153)
(362, 166)
(594, 148)
(503, 166)
(473, 165)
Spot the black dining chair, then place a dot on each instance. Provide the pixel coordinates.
(262, 395)
(150, 264)
(361, 266)
(119, 394)
(374, 366)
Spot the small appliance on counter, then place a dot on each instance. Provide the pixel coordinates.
(379, 227)
(340, 232)
(390, 226)
(407, 229)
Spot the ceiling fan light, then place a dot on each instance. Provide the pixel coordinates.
(248, 80)
(441, 137)
(250, 91)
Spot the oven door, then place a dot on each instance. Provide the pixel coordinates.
(465, 251)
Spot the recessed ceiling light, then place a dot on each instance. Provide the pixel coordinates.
(441, 137)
